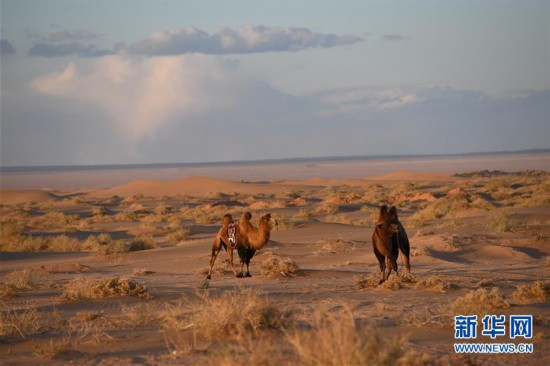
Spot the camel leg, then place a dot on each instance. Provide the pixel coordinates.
(407, 263)
(381, 259)
(249, 254)
(215, 252)
(230, 259)
(391, 263)
(241, 273)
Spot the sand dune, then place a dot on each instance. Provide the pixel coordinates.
(14, 196)
(192, 186)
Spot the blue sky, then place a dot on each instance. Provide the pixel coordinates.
(101, 82)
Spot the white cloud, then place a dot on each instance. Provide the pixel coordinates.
(142, 96)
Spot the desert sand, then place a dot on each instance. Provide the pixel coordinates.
(116, 274)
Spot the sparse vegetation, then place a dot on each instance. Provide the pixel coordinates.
(537, 291)
(83, 288)
(142, 243)
(479, 302)
(279, 266)
(335, 339)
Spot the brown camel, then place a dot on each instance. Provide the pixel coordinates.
(400, 239)
(246, 238)
(222, 242)
(384, 249)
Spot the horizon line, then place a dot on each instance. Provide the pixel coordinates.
(26, 168)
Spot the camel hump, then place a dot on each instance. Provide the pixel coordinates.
(246, 216)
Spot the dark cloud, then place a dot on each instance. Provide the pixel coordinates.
(248, 39)
(6, 48)
(394, 38)
(66, 49)
(77, 35)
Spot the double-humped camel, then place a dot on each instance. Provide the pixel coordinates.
(245, 237)
(383, 244)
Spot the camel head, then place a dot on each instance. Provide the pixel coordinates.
(226, 220)
(268, 222)
(385, 224)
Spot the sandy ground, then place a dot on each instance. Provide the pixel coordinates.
(468, 233)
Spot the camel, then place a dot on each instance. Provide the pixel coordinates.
(400, 239)
(383, 245)
(247, 240)
(221, 241)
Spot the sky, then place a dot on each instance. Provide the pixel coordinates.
(160, 81)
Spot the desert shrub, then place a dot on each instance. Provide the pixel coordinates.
(276, 266)
(64, 243)
(20, 322)
(501, 222)
(103, 244)
(11, 230)
(6, 291)
(237, 313)
(327, 207)
(178, 235)
(22, 279)
(336, 339)
(54, 220)
(444, 207)
(54, 349)
(367, 281)
(479, 302)
(537, 291)
(304, 214)
(434, 283)
(142, 243)
(83, 288)
(99, 211)
(332, 246)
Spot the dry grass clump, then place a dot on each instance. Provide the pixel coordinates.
(501, 222)
(455, 201)
(537, 291)
(104, 244)
(64, 243)
(22, 279)
(142, 243)
(479, 302)
(7, 291)
(21, 323)
(178, 235)
(84, 288)
(336, 339)
(369, 281)
(434, 283)
(327, 207)
(279, 266)
(54, 220)
(332, 246)
(235, 314)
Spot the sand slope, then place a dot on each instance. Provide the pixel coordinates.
(14, 196)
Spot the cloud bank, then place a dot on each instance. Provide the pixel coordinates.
(6, 48)
(248, 39)
(203, 108)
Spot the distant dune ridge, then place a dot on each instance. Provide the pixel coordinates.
(204, 185)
